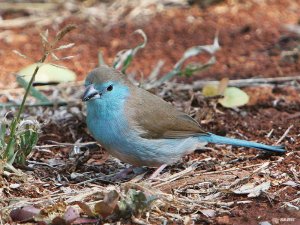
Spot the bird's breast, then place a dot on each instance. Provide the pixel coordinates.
(107, 126)
(111, 130)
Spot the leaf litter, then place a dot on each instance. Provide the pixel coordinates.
(181, 192)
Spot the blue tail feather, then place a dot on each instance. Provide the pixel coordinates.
(212, 138)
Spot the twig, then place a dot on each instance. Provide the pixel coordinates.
(24, 21)
(57, 144)
(27, 6)
(232, 169)
(201, 173)
(46, 104)
(270, 133)
(103, 178)
(178, 175)
(217, 203)
(245, 178)
(18, 22)
(198, 85)
(285, 134)
(138, 221)
(39, 163)
(294, 116)
(75, 195)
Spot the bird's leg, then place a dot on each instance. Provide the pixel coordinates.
(157, 171)
(124, 173)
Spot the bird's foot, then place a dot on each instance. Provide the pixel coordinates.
(127, 173)
(123, 174)
(133, 171)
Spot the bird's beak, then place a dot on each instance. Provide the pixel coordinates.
(90, 93)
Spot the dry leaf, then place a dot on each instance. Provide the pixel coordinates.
(24, 214)
(70, 215)
(85, 208)
(108, 205)
(208, 212)
(252, 189)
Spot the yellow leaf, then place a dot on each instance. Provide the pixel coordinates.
(48, 73)
(210, 90)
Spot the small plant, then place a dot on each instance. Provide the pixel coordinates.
(17, 138)
(135, 203)
(25, 138)
(125, 57)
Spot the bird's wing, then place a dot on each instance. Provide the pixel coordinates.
(155, 118)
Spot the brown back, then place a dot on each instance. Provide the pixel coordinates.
(157, 118)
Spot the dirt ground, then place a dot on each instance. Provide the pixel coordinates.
(253, 37)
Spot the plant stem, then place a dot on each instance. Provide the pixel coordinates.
(22, 106)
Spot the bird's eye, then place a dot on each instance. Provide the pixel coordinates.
(109, 88)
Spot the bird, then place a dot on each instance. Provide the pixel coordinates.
(142, 129)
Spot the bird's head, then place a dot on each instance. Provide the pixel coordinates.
(105, 84)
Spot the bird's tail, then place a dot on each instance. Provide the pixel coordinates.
(212, 138)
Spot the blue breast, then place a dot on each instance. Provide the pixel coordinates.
(106, 122)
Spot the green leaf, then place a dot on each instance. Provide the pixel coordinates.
(193, 51)
(29, 139)
(196, 50)
(2, 135)
(125, 56)
(234, 97)
(33, 91)
(10, 153)
(48, 73)
(127, 63)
